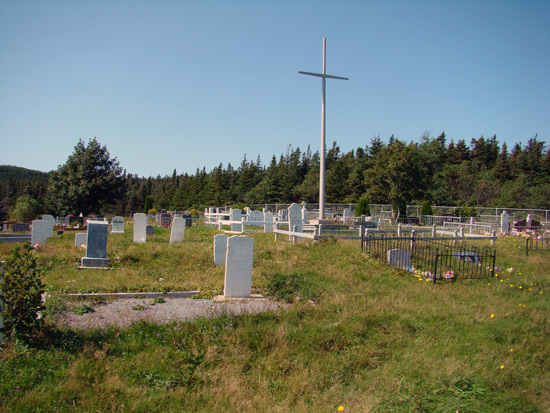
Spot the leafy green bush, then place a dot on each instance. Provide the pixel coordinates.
(22, 295)
(426, 208)
(362, 207)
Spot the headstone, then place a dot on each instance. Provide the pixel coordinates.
(220, 249)
(20, 227)
(346, 216)
(268, 218)
(295, 218)
(256, 216)
(236, 215)
(117, 225)
(39, 233)
(283, 214)
(165, 219)
(96, 245)
(304, 214)
(80, 239)
(150, 230)
(140, 225)
(178, 230)
(505, 222)
(399, 258)
(238, 267)
(50, 222)
(188, 219)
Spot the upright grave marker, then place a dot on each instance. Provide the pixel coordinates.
(96, 246)
(236, 215)
(140, 228)
(238, 267)
(80, 239)
(295, 221)
(117, 225)
(50, 222)
(268, 219)
(39, 234)
(178, 230)
(220, 249)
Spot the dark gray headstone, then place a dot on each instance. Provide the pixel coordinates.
(150, 230)
(20, 227)
(96, 245)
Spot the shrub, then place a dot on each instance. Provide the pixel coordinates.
(362, 207)
(22, 295)
(426, 208)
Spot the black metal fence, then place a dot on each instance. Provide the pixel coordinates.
(536, 245)
(434, 258)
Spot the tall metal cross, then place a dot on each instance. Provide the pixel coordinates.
(324, 76)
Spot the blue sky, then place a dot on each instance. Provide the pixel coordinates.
(190, 84)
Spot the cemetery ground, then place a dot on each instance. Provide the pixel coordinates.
(358, 334)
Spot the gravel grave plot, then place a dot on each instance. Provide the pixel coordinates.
(123, 312)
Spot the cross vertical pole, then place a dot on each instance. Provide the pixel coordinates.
(324, 76)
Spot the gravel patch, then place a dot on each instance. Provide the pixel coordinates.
(123, 312)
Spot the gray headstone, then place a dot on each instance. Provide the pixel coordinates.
(268, 218)
(238, 266)
(150, 230)
(178, 230)
(20, 227)
(236, 215)
(39, 233)
(80, 239)
(220, 249)
(140, 225)
(399, 258)
(256, 216)
(96, 245)
(505, 222)
(50, 222)
(117, 225)
(346, 216)
(295, 217)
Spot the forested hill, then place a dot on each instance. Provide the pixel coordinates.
(16, 181)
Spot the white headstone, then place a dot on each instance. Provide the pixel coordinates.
(80, 239)
(140, 228)
(117, 225)
(220, 249)
(238, 266)
(268, 218)
(399, 258)
(236, 215)
(504, 222)
(39, 233)
(178, 230)
(528, 220)
(304, 214)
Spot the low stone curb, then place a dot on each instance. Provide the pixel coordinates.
(175, 294)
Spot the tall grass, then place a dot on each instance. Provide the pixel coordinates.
(358, 335)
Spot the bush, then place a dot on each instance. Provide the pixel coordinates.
(426, 208)
(22, 295)
(26, 209)
(362, 207)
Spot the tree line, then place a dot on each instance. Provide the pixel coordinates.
(481, 173)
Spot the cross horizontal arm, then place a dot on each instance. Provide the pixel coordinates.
(322, 75)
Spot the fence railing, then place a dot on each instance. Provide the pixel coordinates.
(434, 258)
(535, 245)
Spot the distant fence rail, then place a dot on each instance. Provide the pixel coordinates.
(536, 245)
(435, 258)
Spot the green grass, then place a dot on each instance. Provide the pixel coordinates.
(358, 334)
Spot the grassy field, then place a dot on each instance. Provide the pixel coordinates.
(359, 335)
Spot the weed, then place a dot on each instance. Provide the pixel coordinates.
(83, 309)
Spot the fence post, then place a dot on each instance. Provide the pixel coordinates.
(434, 231)
(412, 241)
(398, 230)
(461, 232)
(435, 265)
(494, 234)
(366, 239)
(294, 229)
